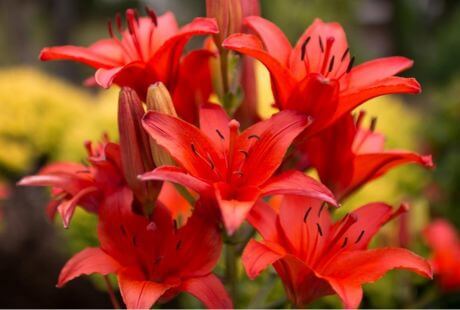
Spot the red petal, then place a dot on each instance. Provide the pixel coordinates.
(167, 27)
(317, 97)
(67, 208)
(209, 290)
(214, 124)
(177, 175)
(314, 54)
(257, 256)
(369, 220)
(138, 293)
(175, 202)
(371, 166)
(194, 85)
(364, 75)
(351, 98)
(273, 38)
(263, 218)
(234, 204)
(102, 54)
(282, 81)
(297, 183)
(180, 139)
(200, 235)
(267, 142)
(88, 261)
(306, 223)
(354, 268)
(122, 75)
(167, 57)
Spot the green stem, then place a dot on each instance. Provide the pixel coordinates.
(113, 298)
(231, 268)
(224, 71)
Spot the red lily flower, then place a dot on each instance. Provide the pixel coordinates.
(347, 156)
(442, 238)
(153, 259)
(148, 51)
(235, 169)
(315, 257)
(76, 184)
(317, 75)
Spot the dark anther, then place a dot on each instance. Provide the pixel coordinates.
(360, 236)
(211, 164)
(239, 173)
(254, 137)
(178, 245)
(350, 64)
(344, 244)
(194, 149)
(321, 44)
(331, 64)
(133, 240)
(245, 153)
(373, 124)
(123, 231)
(319, 229)
(321, 209)
(152, 15)
(304, 48)
(220, 134)
(345, 54)
(175, 225)
(306, 215)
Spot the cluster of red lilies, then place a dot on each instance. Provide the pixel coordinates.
(227, 164)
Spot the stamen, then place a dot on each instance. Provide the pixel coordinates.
(211, 164)
(360, 236)
(254, 137)
(152, 15)
(119, 23)
(345, 54)
(321, 209)
(220, 134)
(306, 215)
(110, 29)
(350, 64)
(303, 50)
(344, 244)
(373, 124)
(331, 64)
(320, 231)
(178, 245)
(360, 117)
(321, 44)
(133, 240)
(175, 225)
(194, 149)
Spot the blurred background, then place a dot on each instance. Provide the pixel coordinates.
(47, 114)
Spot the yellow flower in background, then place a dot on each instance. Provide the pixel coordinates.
(45, 117)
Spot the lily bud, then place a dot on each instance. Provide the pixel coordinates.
(136, 156)
(229, 16)
(159, 100)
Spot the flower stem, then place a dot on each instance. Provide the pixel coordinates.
(231, 271)
(113, 298)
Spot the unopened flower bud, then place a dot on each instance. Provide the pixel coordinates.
(159, 100)
(136, 156)
(229, 16)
